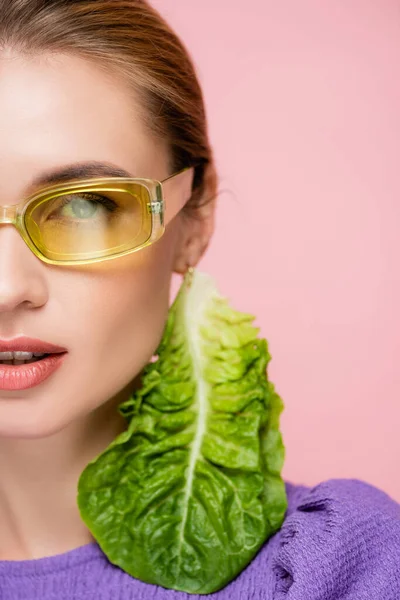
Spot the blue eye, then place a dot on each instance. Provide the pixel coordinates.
(82, 206)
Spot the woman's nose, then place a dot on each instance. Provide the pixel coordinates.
(21, 273)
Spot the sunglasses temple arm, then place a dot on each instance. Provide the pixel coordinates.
(177, 190)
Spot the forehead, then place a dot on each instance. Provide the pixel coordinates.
(61, 109)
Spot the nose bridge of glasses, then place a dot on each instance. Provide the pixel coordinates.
(8, 214)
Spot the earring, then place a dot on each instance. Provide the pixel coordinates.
(188, 277)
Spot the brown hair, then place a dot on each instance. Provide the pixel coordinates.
(130, 38)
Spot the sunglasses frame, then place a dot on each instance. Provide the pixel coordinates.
(166, 198)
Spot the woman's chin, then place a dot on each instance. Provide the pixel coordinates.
(21, 423)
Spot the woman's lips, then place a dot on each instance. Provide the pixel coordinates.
(22, 377)
(27, 344)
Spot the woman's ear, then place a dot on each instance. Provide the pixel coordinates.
(196, 230)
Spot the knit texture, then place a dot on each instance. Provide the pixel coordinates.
(340, 540)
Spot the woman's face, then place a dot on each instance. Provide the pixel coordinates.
(110, 316)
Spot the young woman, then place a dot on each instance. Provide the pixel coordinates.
(96, 90)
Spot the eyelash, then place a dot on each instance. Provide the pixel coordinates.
(103, 200)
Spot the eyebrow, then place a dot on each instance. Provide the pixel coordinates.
(85, 170)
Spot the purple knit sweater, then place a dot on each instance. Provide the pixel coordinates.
(340, 540)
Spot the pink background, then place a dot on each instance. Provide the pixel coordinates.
(303, 101)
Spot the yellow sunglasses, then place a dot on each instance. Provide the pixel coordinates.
(92, 220)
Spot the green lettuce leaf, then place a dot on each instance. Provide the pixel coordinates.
(187, 495)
